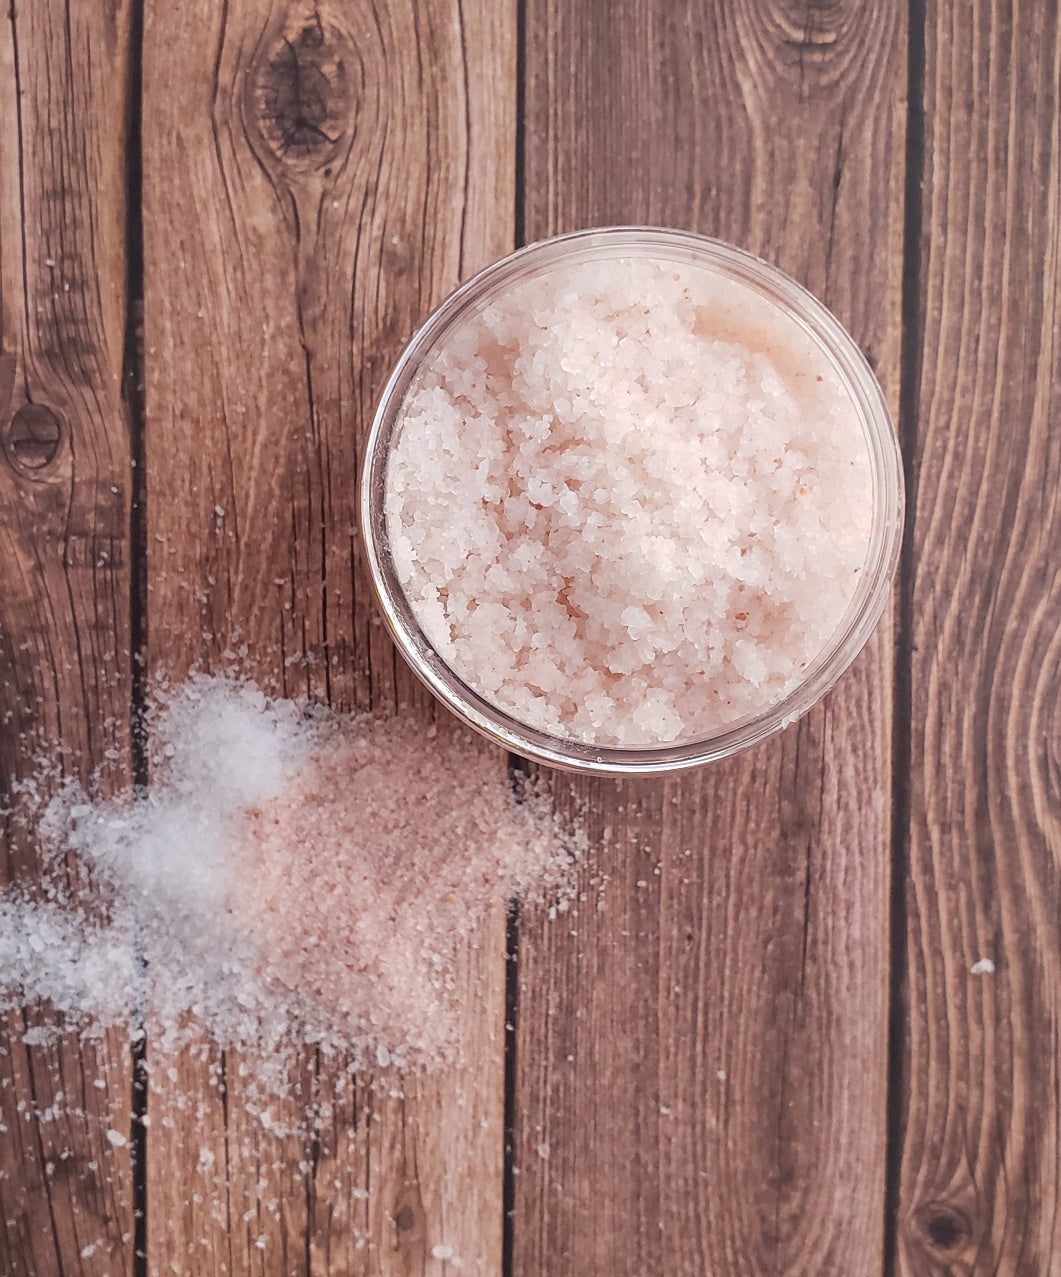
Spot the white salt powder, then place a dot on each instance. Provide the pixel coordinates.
(293, 876)
(629, 502)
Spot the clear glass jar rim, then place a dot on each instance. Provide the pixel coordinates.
(863, 612)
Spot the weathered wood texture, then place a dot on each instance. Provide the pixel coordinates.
(701, 1049)
(980, 1181)
(701, 1057)
(65, 1190)
(316, 178)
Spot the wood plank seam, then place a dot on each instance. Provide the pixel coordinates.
(516, 764)
(910, 355)
(508, 1187)
(133, 386)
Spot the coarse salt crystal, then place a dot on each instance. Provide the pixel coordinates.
(628, 501)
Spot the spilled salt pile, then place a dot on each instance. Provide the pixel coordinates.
(292, 876)
(629, 501)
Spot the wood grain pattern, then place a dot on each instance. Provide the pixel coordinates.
(980, 1182)
(701, 1053)
(316, 178)
(701, 1045)
(65, 1190)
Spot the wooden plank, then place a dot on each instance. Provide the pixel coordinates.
(65, 1189)
(701, 1053)
(981, 1158)
(341, 166)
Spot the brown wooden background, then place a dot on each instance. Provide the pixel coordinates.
(767, 1054)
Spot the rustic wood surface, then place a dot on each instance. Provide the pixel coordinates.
(980, 1189)
(66, 1191)
(316, 178)
(703, 1051)
(758, 1045)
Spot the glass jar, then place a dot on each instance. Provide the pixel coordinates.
(864, 608)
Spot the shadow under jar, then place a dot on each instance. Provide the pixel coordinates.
(632, 501)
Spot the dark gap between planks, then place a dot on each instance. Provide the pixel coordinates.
(508, 1184)
(902, 712)
(516, 765)
(520, 228)
(519, 772)
(133, 394)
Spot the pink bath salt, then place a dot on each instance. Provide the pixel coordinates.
(383, 850)
(629, 502)
(295, 876)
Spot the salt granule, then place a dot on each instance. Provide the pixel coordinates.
(629, 501)
(291, 876)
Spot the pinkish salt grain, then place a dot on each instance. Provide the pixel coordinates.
(629, 501)
(293, 877)
(382, 851)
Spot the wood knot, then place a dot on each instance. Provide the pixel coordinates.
(410, 1222)
(300, 94)
(945, 1229)
(32, 438)
(812, 26)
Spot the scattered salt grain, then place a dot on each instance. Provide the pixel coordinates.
(441, 1251)
(291, 876)
(982, 966)
(628, 502)
(116, 1138)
